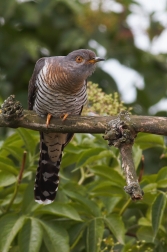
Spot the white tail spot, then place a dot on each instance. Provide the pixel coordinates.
(46, 202)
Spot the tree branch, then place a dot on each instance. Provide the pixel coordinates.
(85, 124)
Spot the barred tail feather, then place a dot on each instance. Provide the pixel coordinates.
(47, 179)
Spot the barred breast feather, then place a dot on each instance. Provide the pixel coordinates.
(59, 102)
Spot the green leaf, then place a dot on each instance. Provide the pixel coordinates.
(94, 234)
(158, 208)
(10, 224)
(13, 145)
(115, 224)
(144, 222)
(6, 178)
(29, 139)
(71, 148)
(75, 233)
(9, 168)
(137, 154)
(6, 160)
(110, 203)
(146, 141)
(87, 155)
(109, 174)
(15, 152)
(30, 236)
(91, 207)
(162, 174)
(150, 187)
(67, 160)
(60, 209)
(28, 202)
(162, 183)
(55, 237)
(145, 234)
(13, 139)
(104, 189)
(162, 178)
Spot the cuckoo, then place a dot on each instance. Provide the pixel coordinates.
(57, 88)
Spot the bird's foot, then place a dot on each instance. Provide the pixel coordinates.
(64, 116)
(48, 119)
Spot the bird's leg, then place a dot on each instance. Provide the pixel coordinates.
(64, 116)
(48, 119)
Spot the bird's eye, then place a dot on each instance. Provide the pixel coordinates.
(79, 59)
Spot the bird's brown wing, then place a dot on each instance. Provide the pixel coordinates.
(32, 87)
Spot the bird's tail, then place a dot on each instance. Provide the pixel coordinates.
(47, 179)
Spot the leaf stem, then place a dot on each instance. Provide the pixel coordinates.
(18, 181)
(125, 206)
(82, 176)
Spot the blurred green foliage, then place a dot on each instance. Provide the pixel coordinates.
(91, 212)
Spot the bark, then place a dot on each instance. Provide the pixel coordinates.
(85, 124)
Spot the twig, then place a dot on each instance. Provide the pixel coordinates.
(18, 181)
(133, 187)
(121, 134)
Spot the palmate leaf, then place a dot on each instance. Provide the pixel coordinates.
(55, 237)
(10, 225)
(94, 234)
(30, 236)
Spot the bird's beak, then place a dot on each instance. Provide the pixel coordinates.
(95, 59)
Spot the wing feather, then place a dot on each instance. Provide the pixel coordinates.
(32, 87)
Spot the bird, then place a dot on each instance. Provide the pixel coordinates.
(57, 88)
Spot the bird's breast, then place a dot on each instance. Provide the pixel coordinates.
(57, 101)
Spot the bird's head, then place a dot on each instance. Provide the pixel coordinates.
(82, 63)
